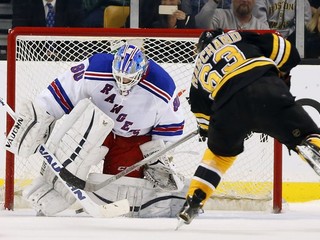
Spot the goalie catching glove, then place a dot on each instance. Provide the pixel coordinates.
(161, 172)
(31, 128)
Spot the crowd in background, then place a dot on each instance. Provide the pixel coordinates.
(279, 15)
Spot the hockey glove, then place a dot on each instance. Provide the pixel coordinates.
(203, 135)
(31, 128)
(161, 172)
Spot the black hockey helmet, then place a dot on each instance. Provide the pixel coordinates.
(206, 37)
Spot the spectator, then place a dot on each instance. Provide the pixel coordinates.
(238, 17)
(196, 5)
(34, 13)
(149, 16)
(314, 3)
(180, 18)
(315, 12)
(94, 10)
(226, 4)
(312, 40)
(280, 15)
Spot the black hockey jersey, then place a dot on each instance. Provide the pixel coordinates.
(232, 61)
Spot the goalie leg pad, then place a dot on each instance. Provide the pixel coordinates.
(31, 128)
(145, 200)
(161, 172)
(47, 196)
(77, 143)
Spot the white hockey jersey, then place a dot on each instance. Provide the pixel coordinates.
(151, 107)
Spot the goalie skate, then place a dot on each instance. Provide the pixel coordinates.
(309, 150)
(192, 207)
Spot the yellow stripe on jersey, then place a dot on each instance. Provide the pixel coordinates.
(287, 51)
(201, 115)
(247, 66)
(202, 120)
(275, 48)
(280, 51)
(203, 126)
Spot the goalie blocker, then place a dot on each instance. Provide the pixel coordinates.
(31, 128)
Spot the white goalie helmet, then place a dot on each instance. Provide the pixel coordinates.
(128, 67)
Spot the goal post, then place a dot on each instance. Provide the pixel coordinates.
(38, 55)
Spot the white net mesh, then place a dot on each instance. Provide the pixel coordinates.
(40, 59)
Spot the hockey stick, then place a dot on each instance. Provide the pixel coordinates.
(114, 209)
(8, 108)
(309, 102)
(92, 187)
(307, 152)
(311, 156)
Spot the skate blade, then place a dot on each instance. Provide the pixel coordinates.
(179, 225)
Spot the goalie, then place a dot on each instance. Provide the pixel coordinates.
(133, 111)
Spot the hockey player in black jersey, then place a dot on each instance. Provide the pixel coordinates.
(240, 85)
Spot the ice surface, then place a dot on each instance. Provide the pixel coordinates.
(297, 222)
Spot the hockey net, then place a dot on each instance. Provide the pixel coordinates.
(36, 56)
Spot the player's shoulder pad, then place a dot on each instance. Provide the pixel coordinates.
(100, 67)
(249, 36)
(158, 82)
(100, 62)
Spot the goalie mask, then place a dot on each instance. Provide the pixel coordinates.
(128, 67)
(206, 37)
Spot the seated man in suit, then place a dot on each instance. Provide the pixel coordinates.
(48, 13)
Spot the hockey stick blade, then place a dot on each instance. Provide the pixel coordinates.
(92, 187)
(309, 154)
(114, 209)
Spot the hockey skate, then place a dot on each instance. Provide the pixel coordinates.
(309, 150)
(192, 207)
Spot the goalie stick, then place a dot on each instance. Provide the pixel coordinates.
(114, 209)
(92, 187)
